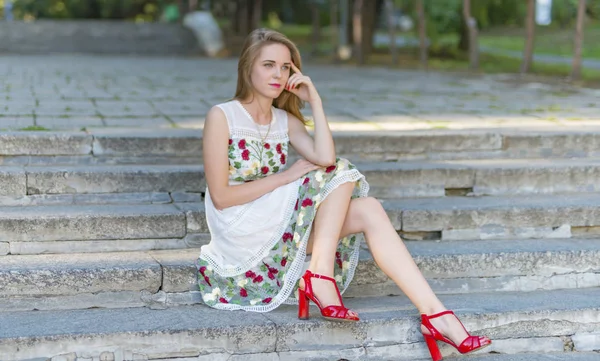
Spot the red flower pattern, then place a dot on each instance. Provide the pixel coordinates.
(267, 300)
(246, 155)
(287, 236)
(282, 159)
(258, 279)
(230, 141)
(330, 169)
(264, 170)
(278, 148)
(306, 180)
(250, 274)
(243, 292)
(296, 206)
(267, 146)
(222, 300)
(242, 144)
(283, 261)
(307, 202)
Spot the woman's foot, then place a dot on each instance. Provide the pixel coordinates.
(323, 291)
(451, 327)
(326, 294)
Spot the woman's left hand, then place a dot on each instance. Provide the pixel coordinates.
(301, 86)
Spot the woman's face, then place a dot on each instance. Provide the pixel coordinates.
(271, 70)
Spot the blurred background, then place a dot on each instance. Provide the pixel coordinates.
(548, 37)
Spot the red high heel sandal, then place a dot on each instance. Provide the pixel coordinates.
(337, 313)
(469, 344)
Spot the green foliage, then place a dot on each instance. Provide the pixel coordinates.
(140, 10)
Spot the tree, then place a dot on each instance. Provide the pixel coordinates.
(422, 32)
(530, 36)
(471, 24)
(389, 6)
(576, 71)
(316, 26)
(357, 31)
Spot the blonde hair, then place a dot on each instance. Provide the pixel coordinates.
(252, 45)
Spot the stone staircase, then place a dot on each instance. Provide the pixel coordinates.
(99, 232)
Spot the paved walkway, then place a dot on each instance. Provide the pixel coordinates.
(75, 92)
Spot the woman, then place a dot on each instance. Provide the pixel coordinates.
(265, 217)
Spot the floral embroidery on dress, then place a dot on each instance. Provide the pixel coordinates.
(262, 283)
(251, 159)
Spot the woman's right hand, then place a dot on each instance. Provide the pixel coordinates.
(299, 169)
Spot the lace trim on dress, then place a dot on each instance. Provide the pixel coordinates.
(280, 135)
(294, 273)
(251, 118)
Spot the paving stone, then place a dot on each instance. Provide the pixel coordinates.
(137, 122)
(67, 122)
(18, 121)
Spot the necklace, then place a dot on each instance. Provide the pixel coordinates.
(262, 139)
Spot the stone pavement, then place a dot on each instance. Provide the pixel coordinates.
(77, 91)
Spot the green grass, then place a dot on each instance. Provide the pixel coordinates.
(548, 40)
(34, 128)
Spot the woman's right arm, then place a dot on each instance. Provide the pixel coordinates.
(216, 167)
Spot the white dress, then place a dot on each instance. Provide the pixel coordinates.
(257, 250)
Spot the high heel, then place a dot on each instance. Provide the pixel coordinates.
(469, 344)
(337, 313)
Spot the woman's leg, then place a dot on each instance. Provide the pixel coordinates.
(368, 216)
(324, 239)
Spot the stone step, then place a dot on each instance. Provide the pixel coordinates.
(57, 184)
(524, 216)
(542, 322)
(90, 228)
(106, 179)
(493, 217)
(160, 278)
(101, 147)
(481, 177)
(161, 146)
(52, 228)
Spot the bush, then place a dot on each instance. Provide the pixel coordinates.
(147, 10)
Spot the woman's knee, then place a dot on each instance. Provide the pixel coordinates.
(365, 209)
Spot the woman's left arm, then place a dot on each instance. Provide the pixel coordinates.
(321, 149)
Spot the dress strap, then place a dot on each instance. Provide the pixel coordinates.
(229, 115)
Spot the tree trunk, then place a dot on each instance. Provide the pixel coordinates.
(334, 26)
(473, 42)
(422, 33)
(369, 18)
(529, 37)
(256, 14)
(357, 31)
(576, 72)
(316, 28)
(389, 6)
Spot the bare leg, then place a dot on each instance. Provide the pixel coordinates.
(324, 239)
(368, 216)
